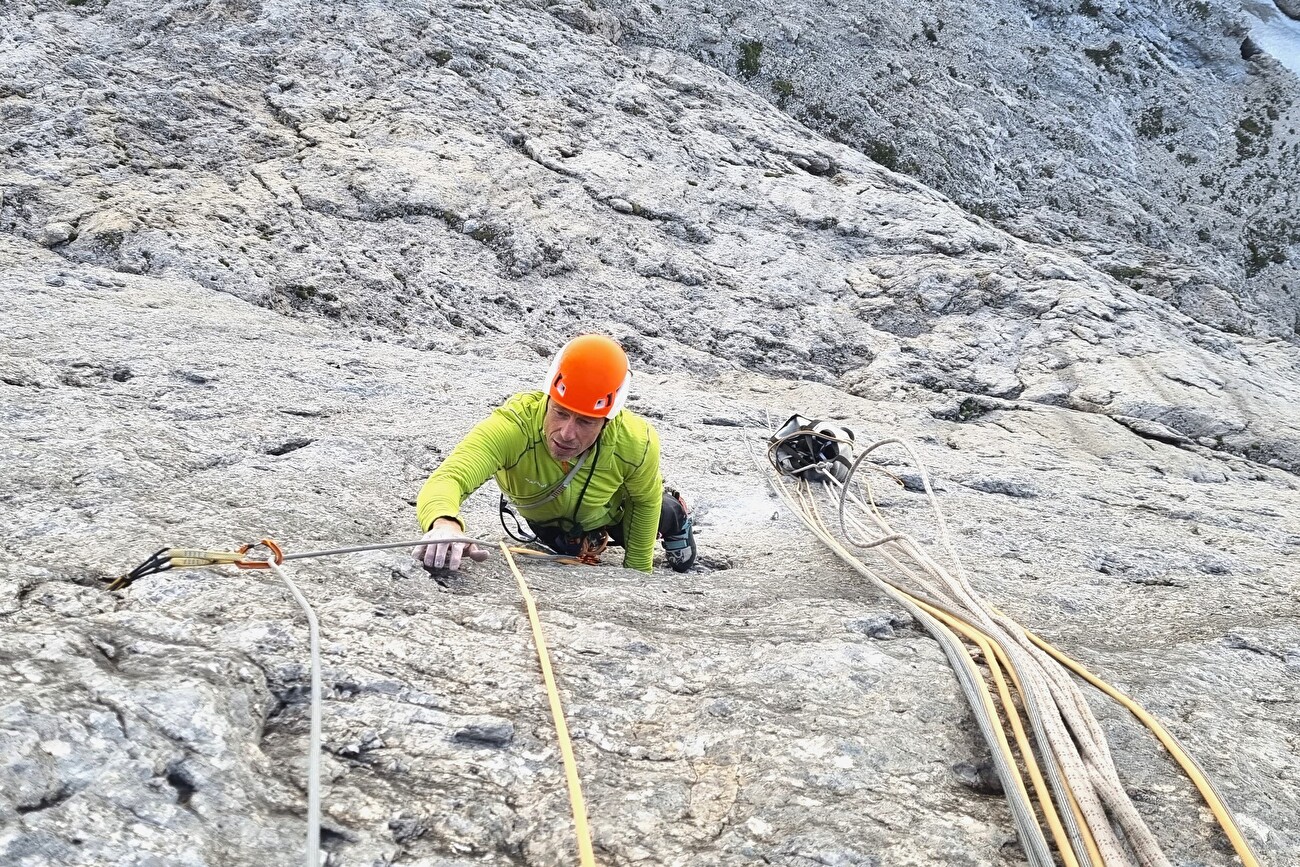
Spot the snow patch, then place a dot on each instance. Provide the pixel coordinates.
(1275, 32)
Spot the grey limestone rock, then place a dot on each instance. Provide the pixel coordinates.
(1142, 137)
(56, 233)
(314, 243)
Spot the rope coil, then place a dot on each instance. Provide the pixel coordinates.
(1082, 794)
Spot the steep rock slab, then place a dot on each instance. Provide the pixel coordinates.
(1154, 140)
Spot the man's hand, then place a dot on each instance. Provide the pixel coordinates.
(438, 555)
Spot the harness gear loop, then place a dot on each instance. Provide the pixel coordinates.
(505, 509)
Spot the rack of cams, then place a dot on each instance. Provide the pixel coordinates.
(1043, 736)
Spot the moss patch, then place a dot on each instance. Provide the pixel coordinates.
(748, 62)
(1105, 57)
(783, 90)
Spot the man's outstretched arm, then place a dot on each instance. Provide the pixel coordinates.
(489, 446)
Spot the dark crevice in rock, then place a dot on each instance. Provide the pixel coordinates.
(179, 779)
(406, 828)
(332, 838)
(486, 734)
(24, 591)
(46, 802)
(979, 776)
(1238, 642)
(882, 627)
(1151, 430)
(1146, 581)
(117, 712)
(974, 406)
(273, 715)
(383, 213)
(106, 651)
(1005, 487)
(289, 446)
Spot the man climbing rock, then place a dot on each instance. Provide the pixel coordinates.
(581, 470)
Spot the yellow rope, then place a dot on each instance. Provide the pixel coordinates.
(1221, 813)
(586, 858)
(992, 654)
(1091, 842)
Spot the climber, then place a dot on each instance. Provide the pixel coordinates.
(581, 470)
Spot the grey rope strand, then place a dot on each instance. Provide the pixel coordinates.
(1074, 734)
(1031, 835)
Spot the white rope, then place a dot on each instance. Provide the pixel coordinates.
(313, 751)
(1074, 736)
(1033, 698)
(1031, 836)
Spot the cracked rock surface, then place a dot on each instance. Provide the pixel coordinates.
(1154, 140)
(263, 263)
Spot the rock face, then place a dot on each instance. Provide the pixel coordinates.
(1146, 138)
(264, 263)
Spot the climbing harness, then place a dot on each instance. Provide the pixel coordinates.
(544, 497)
(1091, 819)
(564, 536)
(245, 557)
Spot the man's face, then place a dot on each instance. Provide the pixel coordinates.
(569, 434)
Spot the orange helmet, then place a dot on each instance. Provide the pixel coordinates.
(590, 376)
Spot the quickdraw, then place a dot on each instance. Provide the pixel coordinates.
(191, 558)
(165, 559)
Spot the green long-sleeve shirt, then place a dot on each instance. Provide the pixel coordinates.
(509, 445)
